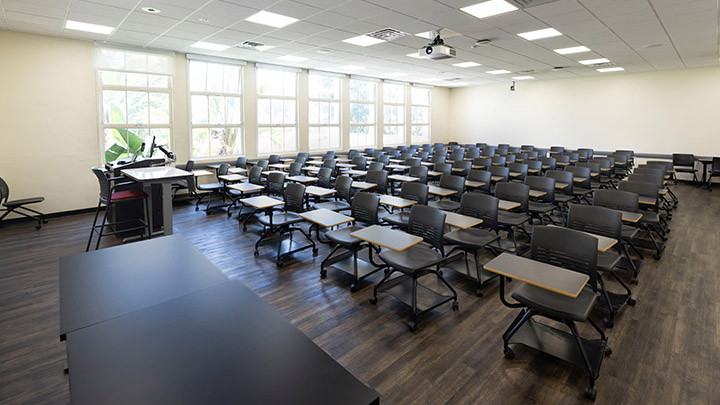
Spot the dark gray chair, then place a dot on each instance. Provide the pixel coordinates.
(417, 261)
(514, 221)
(216, 189)
(542, 207)
(343, 188)
(421, 172)
(376, 166)
(452, 202)
(482, 176)
(275, 184)
(324, 176)
(295, 169)
(415, 191)
(521, 168)
(274, 159)
(379, 177)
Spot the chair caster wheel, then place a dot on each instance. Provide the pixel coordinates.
(509, 354)
(353, 288)
(656, 256)
(244, 229)
(479, 293)
(631, 302)
(37, 227)
(590, 393)
(44, 221)
(373, 300)
(386, 271)
(455, 306)
(257, 253)
(229, 214)
(440, 272)
(412, 326)
(323, 273)
(608, 351)
(197, 209)
(608, 323)
(315, 251)
(278, 264)
(634, 280)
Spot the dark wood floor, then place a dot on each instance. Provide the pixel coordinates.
(665, 350)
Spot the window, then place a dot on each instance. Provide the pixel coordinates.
(420, 130)
(215, 109)
(394, 114)
(277, 111)
(135, 98)
(324, 112)
(362, 113)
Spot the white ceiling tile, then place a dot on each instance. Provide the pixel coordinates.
(293, 9)
(98, 9)
(45, 10)
(358, 9)
(228, 10)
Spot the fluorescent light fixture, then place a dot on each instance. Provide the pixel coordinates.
(415, 55)
(81, 26)
(352, 67)
(489, 8)
(210, 46)
(540, 34)
(594, 61)
(574, 49)
(262, 48)
(498, 72)
(612, 69)
(271, 19)
(290, 58)
(466, 64)
(395, 74)
(363, 40)
(523, 77)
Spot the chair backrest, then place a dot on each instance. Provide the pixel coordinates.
(428, 223)
(331, 153)
(452, 182)
(263, 163)
(420, 172)
(438, 159)
(502, 171)
(330, 164)
(415, 191)
(275, 183)
(562, 177)
(541, 183)
(617, 200)
(360, 162)
(566, 248)
(273, 159)
(651, 178)
(465, 165)
(598, 220)
(365, 208)
(190, 165)
(473, 153)
(457, 154)
(552, 162)
(655, 170)
(513, 149)
(580, 172)
(379, 177)
(303, 154)
(369, 151)
(586, 152)
(303, 159)
(444, 168)
(423, 156)
(510, 159)
(641, 188)
(324, 176)
(516, 192)
(522, 156)
(488, 151)
(481, 206)
(406, 155)
(255, 175)
(593, 166)
(498, 160)
(532, 155)
(343, 187)
(534, 165)
(384, 159)
(295, 169)
(521, 168)
(376, 166)
(715, 165)
(223, 169)
(562, 158)
(482, 161)
(402, 148)
(294, 196)
(558, 149)
(99, 173)
(241, 162)
(527, 147)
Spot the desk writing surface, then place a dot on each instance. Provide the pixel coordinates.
(461, 221)
(497, 178)
(399, 177)
(604, 243)
(442, 192)
(433, 173)
(363, 185)
(662, 191)
(457, 169)
(198, 173)
(533, 171)
(237, 170)
(507, 205)
(647, 200)
(396, 160)
(353, 172)
(474, 184)
(427, 163)
(537, 193)
(268, 172)
(343, 160)
(246, 187)
(350, 165)
(261, 202)
(396, 202)
(319, 191)
(325, 217)
(232, 177)
(221, 345)
(579, 179)
(561, 186)
(386, 237)
(398, 167)
(515, 174)
(302, 179)
(280, 166)
(155, 173)
(631, 216)
(311, 169)
(542, 275)
(103, 284)
(213, 166)
(314, 162)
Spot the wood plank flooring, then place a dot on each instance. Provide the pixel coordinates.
(665, 350)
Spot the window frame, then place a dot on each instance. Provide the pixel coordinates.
(294, 98)
(404, 106)
(339, 103)
(427, 124)
(374, 125)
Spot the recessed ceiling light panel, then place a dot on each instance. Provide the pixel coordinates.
(363, 40)
(498, 72)
(574, 49)
(523, 77)
(271, 19)
(594, 61)
(540, 34)
(415, 55)
(466, 64)
(612, 69)
(209, 46)
(489, 8)
(81, 26)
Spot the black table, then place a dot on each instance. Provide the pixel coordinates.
(220, 345)
(107, 283)
(705, 162)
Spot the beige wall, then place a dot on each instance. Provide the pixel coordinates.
(49, 131)
(658, 112)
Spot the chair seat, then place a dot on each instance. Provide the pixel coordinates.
(342, 236)
(280, 219)
(685, 170)
(332, 205)
(445, 205)
(542, 208)
(512, 218)
(650, 217)
(563, 198)
(24, 201)
(412, 259)
(472, 237)
(582, 191)
(240, 194)
(210, 186)
(398, 219)
(127, 194)
(629, 232)
(606, 261)
(556, 305)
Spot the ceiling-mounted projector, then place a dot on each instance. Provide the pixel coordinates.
(437, 50)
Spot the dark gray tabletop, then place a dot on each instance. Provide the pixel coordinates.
(108, 283)
(218, 346)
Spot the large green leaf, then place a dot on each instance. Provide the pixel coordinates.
(130, 139)
(114, 152)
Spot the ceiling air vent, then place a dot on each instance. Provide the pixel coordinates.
(530, 3)
(387, 34)
(454, 79)
(255, 46)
